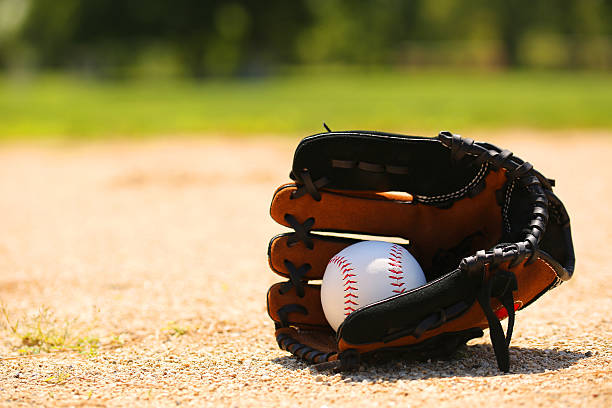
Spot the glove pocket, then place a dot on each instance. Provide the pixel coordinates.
(445, 305)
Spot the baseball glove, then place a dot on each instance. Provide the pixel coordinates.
(485, 227)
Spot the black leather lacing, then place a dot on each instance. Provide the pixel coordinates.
(515, 253)
(295, 278)
(301, 231)
(296, 274)
(295, 281)
(286, 342)
(305, 184)
(500, 285)
(522, 173)
(290, 308)
(348, 360)
(430, 322)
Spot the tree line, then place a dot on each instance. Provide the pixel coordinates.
(249, 37)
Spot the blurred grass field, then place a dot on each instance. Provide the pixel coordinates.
(65, 107)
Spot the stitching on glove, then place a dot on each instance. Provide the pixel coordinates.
(505, 210)
(558, 281)
(444, 197)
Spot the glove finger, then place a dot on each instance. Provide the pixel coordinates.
(281, 250)
(286, 307)
(378, 214)
(428, 228)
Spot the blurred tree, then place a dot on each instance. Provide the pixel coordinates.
(213, 36)
(348, 31)
(244, 37)
(12, 15)
(513, 17)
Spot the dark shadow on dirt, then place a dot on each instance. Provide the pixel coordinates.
(471, 361)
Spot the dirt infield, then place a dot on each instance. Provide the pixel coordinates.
(135, 274)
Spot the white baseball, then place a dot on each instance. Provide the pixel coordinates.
(365, 273)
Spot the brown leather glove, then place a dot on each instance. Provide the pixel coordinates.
(485, 227)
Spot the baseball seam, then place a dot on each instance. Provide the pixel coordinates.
(396, 274)
(349, 283)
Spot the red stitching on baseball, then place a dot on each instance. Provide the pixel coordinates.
(338, 260)
(395, 268)
(350, 285)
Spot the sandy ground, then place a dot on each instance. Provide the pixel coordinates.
(148, 262)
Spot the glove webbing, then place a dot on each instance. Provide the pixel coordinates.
(517, 170)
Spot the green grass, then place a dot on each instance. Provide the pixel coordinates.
(176, 329)
(60, 375)
(411, 101)
(44, 333)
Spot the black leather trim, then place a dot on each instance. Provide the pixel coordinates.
(372, 323)
(384, 162)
